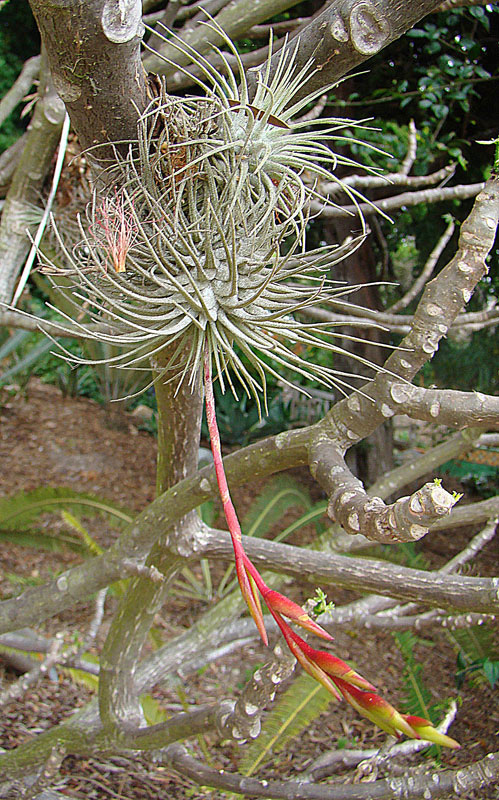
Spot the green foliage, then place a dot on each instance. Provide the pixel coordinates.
(19, 512)
(477, 655)
(480, 478)
(10, 66)
(280, 494)
(298, 707)
(470, 365)
(417, 697)
(19, 40)
(321, 605)
(22, 350)
(407, 554)
(153, 711)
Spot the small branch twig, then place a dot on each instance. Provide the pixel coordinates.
(17, 689)
(364, 182)
(386, 204)
(412, 149)
(46, 775)
(28, 74)
(453, 447)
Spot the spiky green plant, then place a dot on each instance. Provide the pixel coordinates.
(186, 247)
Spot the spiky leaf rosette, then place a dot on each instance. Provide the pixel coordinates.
(187, 251)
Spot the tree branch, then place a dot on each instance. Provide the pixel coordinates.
(346, 33)
(235, 19)
(364, 574)
(363, 182)
(95, 64)
(21, 211)
(244, 721)
(329, 763)
(446, 406)
(398, 201)
(9, 161)
(406, 520)
(412, 787)
(351, 420)
(28, 74)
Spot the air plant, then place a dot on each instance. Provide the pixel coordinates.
(199, 246)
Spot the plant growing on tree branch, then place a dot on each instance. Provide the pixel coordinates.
(189, 180)
(187, 251)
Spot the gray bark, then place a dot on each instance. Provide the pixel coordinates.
(94, 56)
(347, 33)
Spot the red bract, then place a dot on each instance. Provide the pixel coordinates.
(375, 708)
(283, 605)
(246, 584)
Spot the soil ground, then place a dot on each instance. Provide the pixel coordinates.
(46, 439)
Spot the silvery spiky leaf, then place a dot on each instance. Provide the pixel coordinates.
(200, 239)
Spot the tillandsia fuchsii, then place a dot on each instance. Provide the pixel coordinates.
(187, 252)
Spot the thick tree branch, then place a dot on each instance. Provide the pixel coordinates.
(348, 32)
(365, 574)
(94, 53)
(446, 406)
(408, 519)
(235, 19)
(351, 420)
(244, 721)
(179, 423)
(21, 211)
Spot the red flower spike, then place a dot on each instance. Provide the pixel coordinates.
(428, 732)
(308, 665)
(337, 668)
(245, 580)
(379, 711)
(283, 605)
(330, 664)
(313, 670)
(247, 587)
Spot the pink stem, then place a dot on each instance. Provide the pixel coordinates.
(241, 558)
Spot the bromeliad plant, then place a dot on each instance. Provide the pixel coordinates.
(199, 247)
